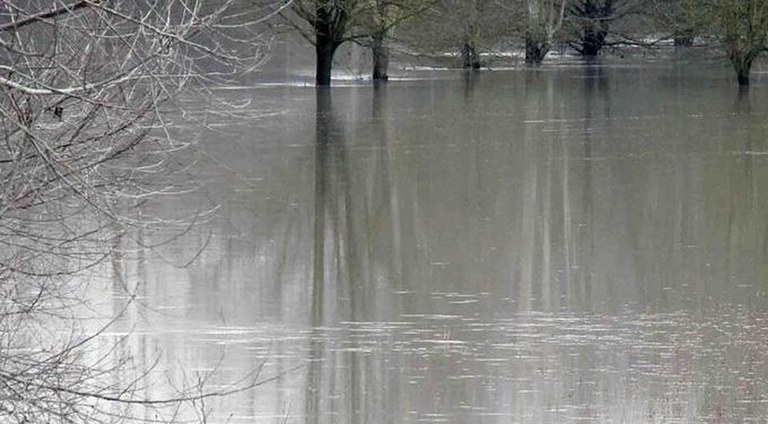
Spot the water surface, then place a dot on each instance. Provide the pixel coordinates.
(570, 245)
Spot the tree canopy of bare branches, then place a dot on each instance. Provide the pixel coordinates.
(327, 24)
(84, 87)
(544, 19)
(741, 27)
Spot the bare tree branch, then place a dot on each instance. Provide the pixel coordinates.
(46, 15)
(87, 89)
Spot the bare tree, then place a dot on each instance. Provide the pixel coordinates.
(741, 26)
(470, 55)
(457, 32)
(469, 22)
(327, 24)
(545, 17)
(592, 18)
(595, 24)
(379, 22)
(85, 91)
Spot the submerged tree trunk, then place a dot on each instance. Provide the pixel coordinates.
(324, 50)
(742, 76)
(380, 52)
(470, 58)
(744, 26)
(536, 45)
(596, 16)
(742, 66)
(330, 21)
(535, 50)
(544, 19)
(592, 41)
(742, 54)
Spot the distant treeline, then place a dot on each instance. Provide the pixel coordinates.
(464, 28)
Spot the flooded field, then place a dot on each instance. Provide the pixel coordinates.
(570, 245)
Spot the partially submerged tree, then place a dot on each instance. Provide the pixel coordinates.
(592, 20)
(327, 24)
(470, 58)
(85, 87)
(457, 32)
(377, 24)
(544, 19)
(381, 17)
(476, 24)
(595, 24)
(741, 26)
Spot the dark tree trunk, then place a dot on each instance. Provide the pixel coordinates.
(743, 79)
(742, 72)
(380, 52)
(592, 42)
(742, 62)
(596, 14)
(330, 29)
(324, 50)
(535, 50)
(469, 56)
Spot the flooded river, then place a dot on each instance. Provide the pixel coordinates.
(572, 245)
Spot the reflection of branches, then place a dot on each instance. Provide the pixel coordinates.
(83, 141)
